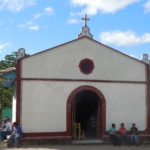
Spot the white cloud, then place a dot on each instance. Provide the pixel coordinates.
(3, 46)
(29, 25)
(34, 27)
(47, 12)
(104, 6)
(127, 38)
(147, 6)
(73, 21)
(16, 5)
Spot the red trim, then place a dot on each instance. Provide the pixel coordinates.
(101, 109)
(46, 134)
(148, 99)
(18, 91)
(147, 130)
(86, 66)
(83, 80)
(46, 138)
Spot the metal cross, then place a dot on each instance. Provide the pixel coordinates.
(85, 19)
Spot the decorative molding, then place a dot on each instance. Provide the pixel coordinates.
(82, 80)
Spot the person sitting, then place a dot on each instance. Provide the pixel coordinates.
(15, 136)
(134, 135)
(124, 135)
(114, 136)
(7, 130)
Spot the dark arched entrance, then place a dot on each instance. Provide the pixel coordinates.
(85, 112)
(86, 105)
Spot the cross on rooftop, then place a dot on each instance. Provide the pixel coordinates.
(85, 19)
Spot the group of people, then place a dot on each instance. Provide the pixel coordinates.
(12, 129)
(118, 137)
(123, 136)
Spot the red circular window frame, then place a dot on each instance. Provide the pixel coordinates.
(86, 66)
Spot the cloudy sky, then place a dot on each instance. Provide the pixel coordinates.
(37, 25)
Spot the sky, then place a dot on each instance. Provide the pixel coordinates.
(37, 25)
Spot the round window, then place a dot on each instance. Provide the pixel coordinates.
(86, 66)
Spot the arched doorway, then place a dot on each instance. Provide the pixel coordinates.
(86, 105)
(85, 112)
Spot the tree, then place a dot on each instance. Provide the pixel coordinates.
(9, 61)
(6, 93)
(5, 97)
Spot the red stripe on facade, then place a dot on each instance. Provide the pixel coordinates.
(148, 99)
(18, 91)
(82, 80)
(45, 134)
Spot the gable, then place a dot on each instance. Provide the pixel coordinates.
(62, 62)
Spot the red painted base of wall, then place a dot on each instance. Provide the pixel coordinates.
(47, 138)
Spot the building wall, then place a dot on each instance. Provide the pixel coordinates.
(63, 62)
(14, 107)
(44, 102)
(44, 106)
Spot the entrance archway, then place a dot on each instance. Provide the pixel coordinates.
(86, 105)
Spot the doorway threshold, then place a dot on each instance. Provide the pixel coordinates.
(87, 141)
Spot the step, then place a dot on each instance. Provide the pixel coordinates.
(87, 141)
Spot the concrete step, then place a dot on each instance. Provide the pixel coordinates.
(87, 141)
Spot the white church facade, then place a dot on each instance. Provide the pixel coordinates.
(77, 81)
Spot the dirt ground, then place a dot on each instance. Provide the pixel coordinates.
(75, 147)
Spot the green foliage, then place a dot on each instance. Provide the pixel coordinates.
(5, 97)
(9, 61)
(7, 93)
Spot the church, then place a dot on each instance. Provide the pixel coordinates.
(81, 86)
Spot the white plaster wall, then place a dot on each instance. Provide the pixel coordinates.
(14, 107)
(63, 62)
(44, 104)
(43, 110)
